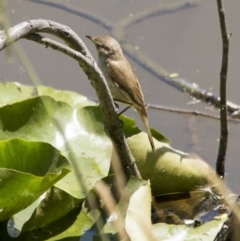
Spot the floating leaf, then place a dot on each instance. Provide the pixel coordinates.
(77, 132)
(27, 169)
(86, 223)
(69, 97)
(48, 208)
(206, 232)
(12, 92)
(129, 128)
(168, 170)
(132, 185)
(138, 220)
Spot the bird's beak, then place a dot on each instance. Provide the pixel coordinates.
(89, 37)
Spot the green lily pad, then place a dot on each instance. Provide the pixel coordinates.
(65, 227)
(27, 169)
(12, 92)
(86, 223)
(48, 208)
(120, 211)
(77, 132)
(168, 170)
(70, 97)
(129, 128)
(138, 222)
(206, 232)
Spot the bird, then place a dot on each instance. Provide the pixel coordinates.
(121, 78)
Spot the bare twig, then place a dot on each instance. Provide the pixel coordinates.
(207, 97)
(234, 119)
(190, 112)
(220, 165)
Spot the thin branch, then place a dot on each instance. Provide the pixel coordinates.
(190, 112)
(89, 66)
(220, 165)
(182, 111)
(57, 46)
(207, 97)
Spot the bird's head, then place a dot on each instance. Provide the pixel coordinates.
(106, 46)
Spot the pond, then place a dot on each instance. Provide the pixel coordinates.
(183, 38)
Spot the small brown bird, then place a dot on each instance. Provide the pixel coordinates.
(120, 76)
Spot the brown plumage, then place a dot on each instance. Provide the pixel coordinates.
(121, 78)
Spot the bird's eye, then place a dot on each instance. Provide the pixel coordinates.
(106, 48)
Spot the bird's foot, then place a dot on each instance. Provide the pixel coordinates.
(121, 123)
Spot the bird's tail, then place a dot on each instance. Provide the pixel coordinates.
(146, 124)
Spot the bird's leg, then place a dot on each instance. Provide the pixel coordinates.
(117, 108)
(121, 122)
(124, 110)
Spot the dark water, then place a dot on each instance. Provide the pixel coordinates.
(186, 42)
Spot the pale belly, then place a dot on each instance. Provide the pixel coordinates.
(115, 91)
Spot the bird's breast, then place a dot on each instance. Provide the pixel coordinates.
(116, 92)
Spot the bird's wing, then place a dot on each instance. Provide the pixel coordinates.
(131, 89)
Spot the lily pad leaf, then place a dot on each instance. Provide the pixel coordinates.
(168, 170)
(115, 219)
(49, 207)
(138, 223)
(12, 92)
(93, 222)
(27, 170)
(72, 98)
(159, 136)
(129, 128)
(77, 132)
(206, 232)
